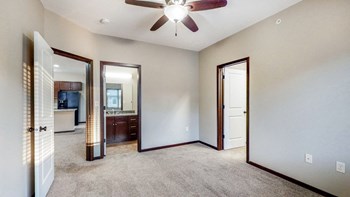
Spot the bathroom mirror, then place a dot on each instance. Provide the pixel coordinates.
(121, 90)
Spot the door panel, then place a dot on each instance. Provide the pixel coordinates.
(235, 108)
(110, 131)
(43, 119)
(121, 129)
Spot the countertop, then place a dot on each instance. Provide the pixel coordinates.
(126, 114)
(65, 110)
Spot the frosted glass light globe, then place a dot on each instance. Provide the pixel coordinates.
(176, 13)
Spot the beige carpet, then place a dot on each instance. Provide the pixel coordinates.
(192, 170)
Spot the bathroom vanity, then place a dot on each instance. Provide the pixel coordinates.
(121, 127)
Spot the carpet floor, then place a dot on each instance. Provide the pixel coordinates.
(191, 170)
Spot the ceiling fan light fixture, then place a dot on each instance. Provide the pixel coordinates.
(176, 13)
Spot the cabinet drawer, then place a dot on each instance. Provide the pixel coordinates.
(133, 120)
(121, 119)
(133, 128)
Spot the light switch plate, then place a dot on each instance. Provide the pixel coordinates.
(340, 167)
(308, 158)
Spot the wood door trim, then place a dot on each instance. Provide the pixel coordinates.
(103, 65)
(220, 102)
(89, 99)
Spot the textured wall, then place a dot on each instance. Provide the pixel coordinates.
(300, 91)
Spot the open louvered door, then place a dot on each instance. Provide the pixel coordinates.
(44, 116)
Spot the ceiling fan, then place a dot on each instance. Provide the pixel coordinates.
(177, 11)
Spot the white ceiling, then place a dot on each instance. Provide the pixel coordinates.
(133, 22)
(68, 65)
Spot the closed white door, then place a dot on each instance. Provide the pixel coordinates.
(44, 116)
(235, 86)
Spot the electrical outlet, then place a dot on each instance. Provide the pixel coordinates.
(340, 167)
(187, 129)
(308, 158)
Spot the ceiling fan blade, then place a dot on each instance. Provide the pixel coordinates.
(147, 4)
(190, 24)
(206, 5)
(159, 23)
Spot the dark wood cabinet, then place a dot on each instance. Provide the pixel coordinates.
(76, 86)
(56, 88)
(67, 86)
(121, 129)
(64, 86)
(110, 131)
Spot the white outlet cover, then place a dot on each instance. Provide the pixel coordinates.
(308, 158)
(340, 167)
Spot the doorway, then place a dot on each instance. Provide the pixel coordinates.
(233, 105)
(74, 79)
(120, 105)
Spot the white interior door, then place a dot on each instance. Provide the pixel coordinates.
(104, 112)
(44, 116)
(127, 96)
(235, 94)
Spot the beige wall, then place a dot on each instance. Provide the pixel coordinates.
(299, 91)
(18, 20)
(169, 78)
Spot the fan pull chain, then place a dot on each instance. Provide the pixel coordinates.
(176, 29)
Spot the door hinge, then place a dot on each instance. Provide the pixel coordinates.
(223, 136)
(223, 106)
(223, 76)
(104, 140)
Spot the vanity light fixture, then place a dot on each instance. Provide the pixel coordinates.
(119, 75)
